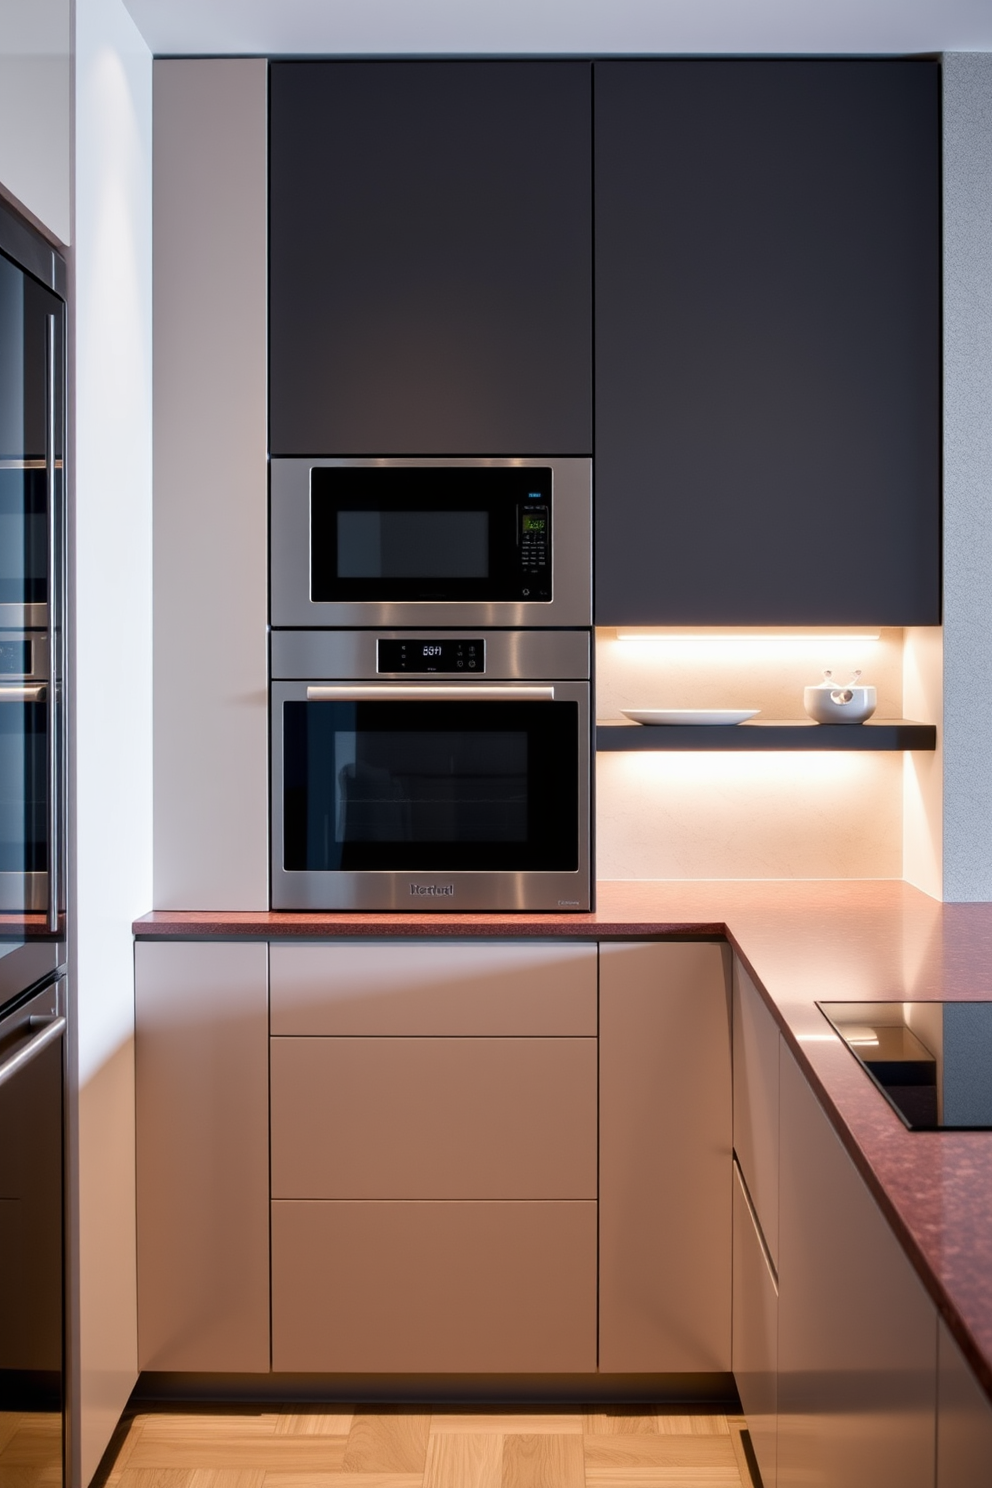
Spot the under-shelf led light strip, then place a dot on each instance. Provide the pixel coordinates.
(811, 636)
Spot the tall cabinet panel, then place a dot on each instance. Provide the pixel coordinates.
(202, 1116)
(665, 1184)
(431, 258)
(767, 341)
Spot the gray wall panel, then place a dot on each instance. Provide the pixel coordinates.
(967, 475)
(211, 789)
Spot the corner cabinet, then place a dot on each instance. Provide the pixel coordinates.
(472, 1157)
(767, 341)
(430, 279)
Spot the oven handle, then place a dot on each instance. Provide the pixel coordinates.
(47, 1035)
(393, 693)
(19, 692)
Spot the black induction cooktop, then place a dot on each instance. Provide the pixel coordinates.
(931, 1060)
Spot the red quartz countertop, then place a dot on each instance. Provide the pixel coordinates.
(802, 942)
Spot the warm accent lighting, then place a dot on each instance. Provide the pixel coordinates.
(758, 633)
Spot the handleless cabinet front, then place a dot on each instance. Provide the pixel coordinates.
(665, 1158)
(433, 1118)
(430, 270)
(434, 1157)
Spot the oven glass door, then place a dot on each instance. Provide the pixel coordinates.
(430, 786)
(393, 534)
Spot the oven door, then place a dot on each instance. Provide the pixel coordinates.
(430, 796)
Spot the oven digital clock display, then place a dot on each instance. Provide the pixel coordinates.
(413, 655)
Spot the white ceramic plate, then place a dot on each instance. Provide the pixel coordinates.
(689, 715)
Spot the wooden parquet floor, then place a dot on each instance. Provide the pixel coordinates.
(392, 1447)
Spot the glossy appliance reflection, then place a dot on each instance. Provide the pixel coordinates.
(931, 1060)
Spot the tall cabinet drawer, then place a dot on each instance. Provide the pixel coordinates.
(433, 1118)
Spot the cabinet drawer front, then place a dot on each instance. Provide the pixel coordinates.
(755, 1337)
(433, 1118)
(756, 1097)
(411, 1287)
(424, 989)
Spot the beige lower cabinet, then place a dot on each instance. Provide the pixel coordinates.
(964, 1420)
(857, 1335)
(489, 1288)
(665, 1189)
(202, 1116)
(434, 1158)
(755, 1333)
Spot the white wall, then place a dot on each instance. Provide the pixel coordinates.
(111, 683)
(967, 783)
(34, 109)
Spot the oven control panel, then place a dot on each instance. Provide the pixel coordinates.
(412, 655)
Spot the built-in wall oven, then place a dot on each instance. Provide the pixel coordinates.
(430, 769)
(431, 542)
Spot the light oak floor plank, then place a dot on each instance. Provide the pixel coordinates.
(313, 1421)
(693, 1423)
(621, 1421)
(462, 1460)
(527, 1423)
(300, 1453)
(683, 1452)
(204, 1426)
(387, 1441)
(543, 1461)
(342, 1480)
(155, 1477)
(664, 1477)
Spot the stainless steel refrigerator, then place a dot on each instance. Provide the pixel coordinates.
(32, 854)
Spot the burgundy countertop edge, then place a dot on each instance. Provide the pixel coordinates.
(783, 933)
(192, 925)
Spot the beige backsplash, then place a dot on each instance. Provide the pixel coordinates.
(748, 815)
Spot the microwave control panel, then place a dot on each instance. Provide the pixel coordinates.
(412, 655)
(535, 549)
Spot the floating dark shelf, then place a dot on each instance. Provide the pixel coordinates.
(886, 734)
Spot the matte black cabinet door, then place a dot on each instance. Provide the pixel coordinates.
(767, 342)
(431, 258)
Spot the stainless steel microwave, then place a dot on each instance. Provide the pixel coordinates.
(430, 770)
(439, 542)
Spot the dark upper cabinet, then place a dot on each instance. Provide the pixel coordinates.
(767, 342)
(430, 284)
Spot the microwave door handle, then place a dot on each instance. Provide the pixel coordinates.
(387, 692)
(19, 692)
(54, 630)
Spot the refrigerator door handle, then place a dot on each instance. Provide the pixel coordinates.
(54, 630)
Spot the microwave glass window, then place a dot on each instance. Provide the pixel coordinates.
(428, 786)
(413, 544)
(398, 533)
